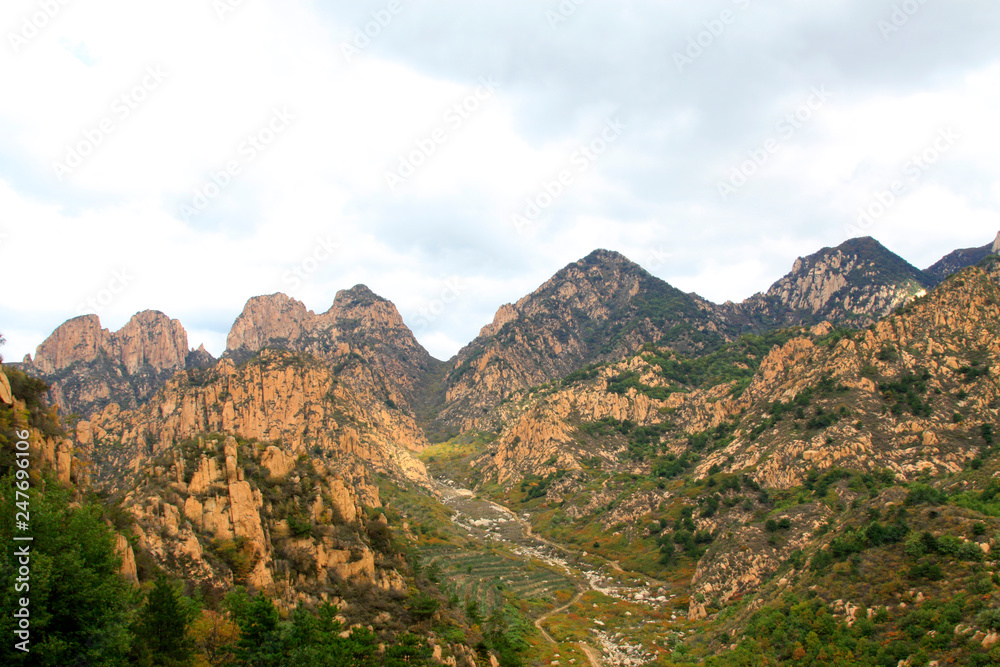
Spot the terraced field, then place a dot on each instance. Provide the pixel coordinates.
(485, 577)
(587, 610)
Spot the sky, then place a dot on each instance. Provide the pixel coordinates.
(452, 156)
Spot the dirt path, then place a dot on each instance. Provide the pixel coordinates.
(460, 499)
(541, 619)
(593, 656)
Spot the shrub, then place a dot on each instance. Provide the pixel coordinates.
(926, 570)
(989, 619)
(923, 494)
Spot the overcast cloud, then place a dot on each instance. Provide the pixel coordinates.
(190, 155)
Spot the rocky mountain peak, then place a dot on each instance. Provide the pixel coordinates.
(149, 337)
(274, 320)
(597, 308)
(996, 245)
(78, 339)
(854, 283)
(359, 306)
(88, 367)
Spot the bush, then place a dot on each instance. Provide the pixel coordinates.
(923, 494)
(989, 619)
(926, 570)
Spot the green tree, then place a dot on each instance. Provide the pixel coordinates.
(407, 651)
(261, 643)
(80, 606)
(161, 630)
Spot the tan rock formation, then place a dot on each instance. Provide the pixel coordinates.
(124, 550)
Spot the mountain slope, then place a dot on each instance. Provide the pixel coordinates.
(914, 396)
(960, 259)
(596, 309)
(853, 284)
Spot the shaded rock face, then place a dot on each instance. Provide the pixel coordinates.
(88, 367)
(853, 284)
(960, 259)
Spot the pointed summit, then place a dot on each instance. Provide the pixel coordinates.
(600, 307)
(854, 283)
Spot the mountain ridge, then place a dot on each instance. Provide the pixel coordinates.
(589, 311)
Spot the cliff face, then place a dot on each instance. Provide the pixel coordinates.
(259, 475)
(88, 367)
(279, 396)
(853, 284)
(223, 512)
(359, 327)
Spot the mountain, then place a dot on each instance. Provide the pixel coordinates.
(788, 468)
(88, 367)
(632, 466)
(944, 341)
(360, 326)
(593, 310)
(316, 532)
(853, 284)
(959, 259)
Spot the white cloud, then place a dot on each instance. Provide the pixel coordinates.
(651, 195)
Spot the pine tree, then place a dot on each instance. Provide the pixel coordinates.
(162, 628)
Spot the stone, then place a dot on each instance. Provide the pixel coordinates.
(6, 395)
(277, 462)
(124, 550)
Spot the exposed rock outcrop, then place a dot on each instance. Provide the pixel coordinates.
(87, 367)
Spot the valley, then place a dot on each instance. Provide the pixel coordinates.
(612, 473)
(610, 613)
